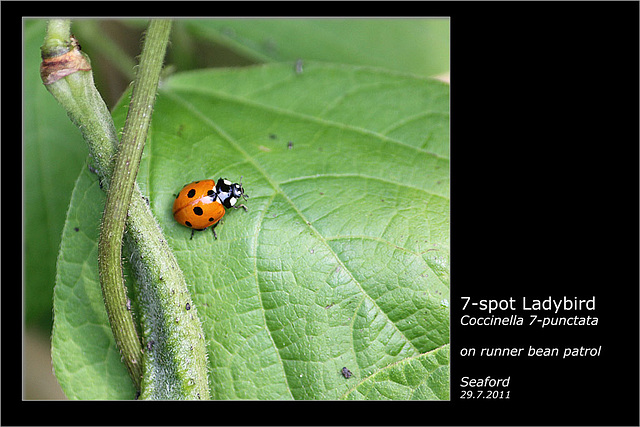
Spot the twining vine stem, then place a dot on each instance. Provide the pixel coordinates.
(120, 191)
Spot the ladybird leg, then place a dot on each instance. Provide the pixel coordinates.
(192, 231)
(240, 206)
(215, 236)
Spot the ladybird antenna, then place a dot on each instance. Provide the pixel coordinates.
(244, 195)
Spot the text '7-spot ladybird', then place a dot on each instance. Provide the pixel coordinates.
(201, 204)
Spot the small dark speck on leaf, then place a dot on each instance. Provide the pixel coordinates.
(346, 373)
(228, 32)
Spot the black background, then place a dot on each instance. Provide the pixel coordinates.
(544, 202)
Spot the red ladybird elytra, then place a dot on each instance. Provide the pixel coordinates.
(201, 204)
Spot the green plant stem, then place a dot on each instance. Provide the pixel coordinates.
(57, 38)
(120, 191)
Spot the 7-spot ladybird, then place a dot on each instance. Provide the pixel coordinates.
(201, 204)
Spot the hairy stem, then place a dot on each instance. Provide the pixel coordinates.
(120, 191)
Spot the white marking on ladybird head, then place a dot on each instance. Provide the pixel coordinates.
(232, 201)
(227, 182)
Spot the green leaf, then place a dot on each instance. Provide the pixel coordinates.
(86, 361)
(342, 259)
(418, 46)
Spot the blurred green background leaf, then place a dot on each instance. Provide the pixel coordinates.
(419, 46)
(54, 152)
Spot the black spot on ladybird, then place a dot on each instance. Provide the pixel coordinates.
(198, 210)
(188, 306)
(210, 219)
(188, 224)
(191, 193)
(210, 193)
(346, 373)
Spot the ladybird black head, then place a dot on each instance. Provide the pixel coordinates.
(229, 193)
